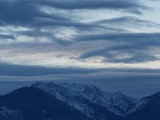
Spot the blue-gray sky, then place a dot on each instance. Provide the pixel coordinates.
(71, 37)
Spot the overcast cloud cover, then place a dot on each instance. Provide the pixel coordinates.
(72, 37)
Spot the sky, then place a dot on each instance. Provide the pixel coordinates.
(113, 44)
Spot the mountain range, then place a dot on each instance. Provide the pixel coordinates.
(50, 101)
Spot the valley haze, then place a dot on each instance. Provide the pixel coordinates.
(130, 82)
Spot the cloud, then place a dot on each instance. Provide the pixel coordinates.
(128, 21)
(52, 23)
(119, 37)
(39, 35)
(133, 82)
(134, 59)
(5, 36)
(24, 70)
(122, 56)
(26, 13)
(40, 20)
(129, 48)
(29, 13)
(89, 4)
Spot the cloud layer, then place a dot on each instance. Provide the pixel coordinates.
(72, 33)
(113, 44)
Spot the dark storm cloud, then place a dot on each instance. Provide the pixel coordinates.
(28, 13)
(90, 4)
(23, 13)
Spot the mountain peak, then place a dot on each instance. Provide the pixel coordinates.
(116, 103)
(66, 101)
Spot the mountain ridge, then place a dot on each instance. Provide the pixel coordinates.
(117, 103)
(50, 101)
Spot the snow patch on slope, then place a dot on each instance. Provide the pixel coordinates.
(71, 94)
(9, 114)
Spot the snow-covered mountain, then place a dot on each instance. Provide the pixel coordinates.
(147, 108)
(30, 103)
(50, 101)
(76, 95)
